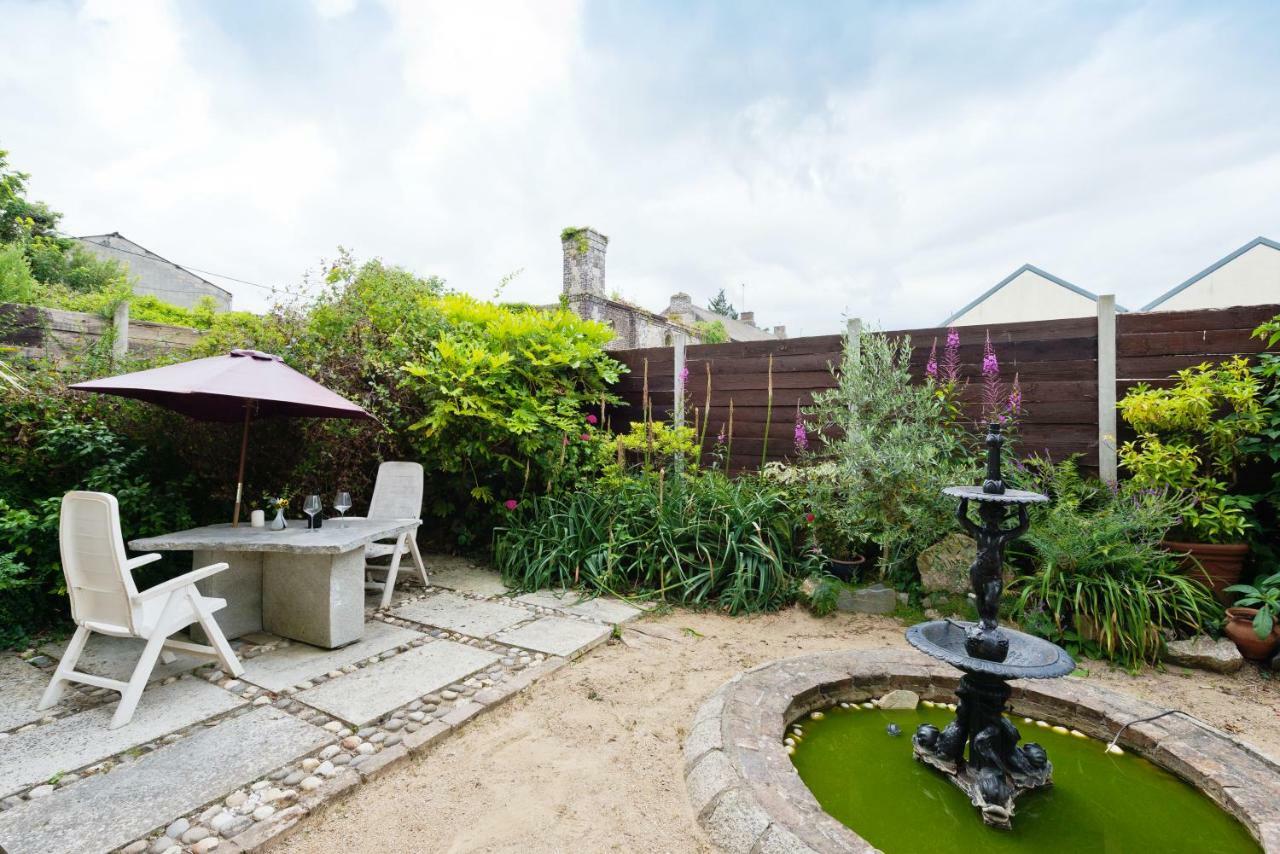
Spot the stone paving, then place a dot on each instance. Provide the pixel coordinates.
(211, 763)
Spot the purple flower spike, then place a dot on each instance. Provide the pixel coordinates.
(801, 436)
(990, 364)
(931, 369)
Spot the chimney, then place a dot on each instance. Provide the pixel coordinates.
(681, 306)
(747, 317)
(584, 250)
(779, 332)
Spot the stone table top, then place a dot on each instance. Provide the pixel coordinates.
(337, 536)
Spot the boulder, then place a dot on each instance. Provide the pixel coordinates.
(876, 599)
(1205, 653)
(899, 699)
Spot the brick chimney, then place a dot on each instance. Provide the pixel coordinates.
(747, 317)
(680, 308)
(584, 250)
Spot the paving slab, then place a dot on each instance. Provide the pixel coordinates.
(283, 668)
(373, 691)
(466, 616)
(82, 739)
(561, 636)
(115, 658)
(21, 685)
(468, 579)
(106, 811)
(602, 608)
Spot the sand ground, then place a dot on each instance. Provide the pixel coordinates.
(589, 759)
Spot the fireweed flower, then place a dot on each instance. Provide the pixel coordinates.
(990, 364)
(951, 357)
(801, 436)
(1015, 397)
(684, 375)
(720, 439)
(511, 504)
(931, 368)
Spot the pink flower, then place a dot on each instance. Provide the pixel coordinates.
(801, 437)
(990, 364)
(1015, 397)
(511, 504)
(684, 375)
(931, 369)
(591, 419)
(586, 437)
(951, 357)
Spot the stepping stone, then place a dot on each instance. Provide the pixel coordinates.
(556, 636)
(373, 691)
(21, 685)
(468, 579)
(106, 811)
(465, 616)
(82, 739)
(298, 662)
(602, 608)
(115, 658)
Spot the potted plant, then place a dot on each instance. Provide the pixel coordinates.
(1192, 440)
(1252, 623)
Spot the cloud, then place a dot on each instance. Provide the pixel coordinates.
(885, 162)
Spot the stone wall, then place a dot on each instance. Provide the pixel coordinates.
(37, 332)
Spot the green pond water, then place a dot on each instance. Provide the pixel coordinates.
(1098, 803)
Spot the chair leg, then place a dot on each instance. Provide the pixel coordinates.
(132, 693)
(66, 666)
(389, 588)
(226, 655)
(417, 558)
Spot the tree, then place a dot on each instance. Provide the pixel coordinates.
(721, 305)
(20, 217)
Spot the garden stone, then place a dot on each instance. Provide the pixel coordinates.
(899, 699)
(1204, 653)
(179, 827)
(161, 845)
(195, 834)
(204, 845)
(135, 847)
(944, 566)
(876, 599)
(40, 792)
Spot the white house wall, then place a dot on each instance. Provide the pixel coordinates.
(1029, 296)
(1249, 279)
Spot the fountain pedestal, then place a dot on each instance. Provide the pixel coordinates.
(979, 751)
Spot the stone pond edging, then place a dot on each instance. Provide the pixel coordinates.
(750, 800)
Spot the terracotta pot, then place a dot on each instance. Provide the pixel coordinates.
(1240, 629)
(1222, 562)
(845, 569)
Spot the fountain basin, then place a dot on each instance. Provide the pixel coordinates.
(748, 796)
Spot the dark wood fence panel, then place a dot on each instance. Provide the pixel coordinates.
(1055, 362)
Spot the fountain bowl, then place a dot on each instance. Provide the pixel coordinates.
(1029, 657)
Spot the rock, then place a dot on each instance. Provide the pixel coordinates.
(1204, 653)
(235, 799)
(161, 845)
(366, 749)
(295, 778)
(351, 742)
(876, 599)
(135, 847)
(207, 844)
(944, 566)
(899, 699)
(329, 752)
(309, 784)
(223, 820)
(195, 834)
(264, 812)
(179, 827)
(40, 792)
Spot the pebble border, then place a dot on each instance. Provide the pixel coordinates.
(750, 800)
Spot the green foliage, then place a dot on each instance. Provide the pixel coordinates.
(1265, 596)
(704, 540)
(16, 282)
(1264, 447)
(1095, 577)
(825, 594)
(579, 238)
(656, 445)
(1191, 437)
(720, 305)
(893, 447)
(711, 331)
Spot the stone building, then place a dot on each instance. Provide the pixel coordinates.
(634, 327)
(154, 275)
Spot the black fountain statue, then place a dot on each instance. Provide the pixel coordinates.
(996, 770)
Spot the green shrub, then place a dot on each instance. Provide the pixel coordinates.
(1094, 575)
(700, 540)
(16, 282)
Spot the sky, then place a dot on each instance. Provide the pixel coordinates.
(888, 161)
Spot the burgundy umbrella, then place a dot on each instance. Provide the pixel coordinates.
(242, 384)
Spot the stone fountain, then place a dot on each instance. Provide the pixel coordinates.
(979, 750)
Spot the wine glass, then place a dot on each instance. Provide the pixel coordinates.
(311, 507)
(342, 503)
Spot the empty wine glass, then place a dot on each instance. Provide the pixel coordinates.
(311, 507)
(342, 503)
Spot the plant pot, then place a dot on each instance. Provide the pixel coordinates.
(1239, 628)
(845, 569)
(1222, 562)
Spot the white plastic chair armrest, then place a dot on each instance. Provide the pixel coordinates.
(181, 581)
(141, 560)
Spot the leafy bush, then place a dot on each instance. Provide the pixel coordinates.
(1192, 438)
(894, 446)
(16, 282)
(1095, 577)
(1264, 447)
(701, 540)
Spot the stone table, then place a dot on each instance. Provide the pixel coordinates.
(297, 583)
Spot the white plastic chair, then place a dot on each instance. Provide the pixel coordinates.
(104, 599)
(397, 495)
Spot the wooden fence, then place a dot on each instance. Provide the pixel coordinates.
(1056, 363)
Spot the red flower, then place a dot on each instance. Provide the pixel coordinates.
(591, 419)
(511, 504)
(586, 437)
(809, 517)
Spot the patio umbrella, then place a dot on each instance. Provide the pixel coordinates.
(240, 385)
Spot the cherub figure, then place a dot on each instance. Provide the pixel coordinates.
(986, 572)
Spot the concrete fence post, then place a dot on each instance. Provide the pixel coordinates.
(854, 329)
(1107, 468)
(120, 324)
(677, 413)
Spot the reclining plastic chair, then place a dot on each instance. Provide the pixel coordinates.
(104, 599)
(397, 494)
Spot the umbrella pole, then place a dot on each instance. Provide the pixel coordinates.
(244, 448)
